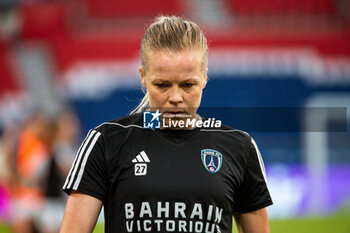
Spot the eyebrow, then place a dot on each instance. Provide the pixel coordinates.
(165, 80)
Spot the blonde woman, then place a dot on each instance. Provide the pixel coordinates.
(180, 177)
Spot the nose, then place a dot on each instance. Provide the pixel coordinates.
(175, 96)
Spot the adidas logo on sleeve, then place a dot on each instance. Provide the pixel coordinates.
(141, 161)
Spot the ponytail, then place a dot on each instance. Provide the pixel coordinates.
(143, 105)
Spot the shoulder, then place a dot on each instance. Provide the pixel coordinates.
(229, 132)
(121, 124)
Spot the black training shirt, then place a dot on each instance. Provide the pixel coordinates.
(169, 180)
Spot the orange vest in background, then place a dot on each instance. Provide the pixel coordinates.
(32, 158)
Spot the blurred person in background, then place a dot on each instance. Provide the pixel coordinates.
(67, 131)
(31, 162)
(178, 192)
(8, 143)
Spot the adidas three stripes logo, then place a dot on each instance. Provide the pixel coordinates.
(141, 158)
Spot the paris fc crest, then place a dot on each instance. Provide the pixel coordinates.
(212, 160)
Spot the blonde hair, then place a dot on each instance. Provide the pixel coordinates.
(170, 33)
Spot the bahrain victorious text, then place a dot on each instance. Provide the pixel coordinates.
(172, 217)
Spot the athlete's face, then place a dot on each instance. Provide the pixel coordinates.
(174, 81)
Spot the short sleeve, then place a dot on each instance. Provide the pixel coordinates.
(88, 172)
(253, 193)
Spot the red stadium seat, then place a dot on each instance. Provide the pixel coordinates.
(280, 7)
(72, 48)
(42, 20)
(118, 8)
(8, 83)
(74, 44)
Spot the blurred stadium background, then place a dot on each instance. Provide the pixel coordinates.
(77, 61)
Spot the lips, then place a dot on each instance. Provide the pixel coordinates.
(177, 112)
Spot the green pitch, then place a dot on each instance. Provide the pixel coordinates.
(311, 225)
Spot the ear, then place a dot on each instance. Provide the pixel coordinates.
(142, 77)
(204, 83)
(206, 79)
